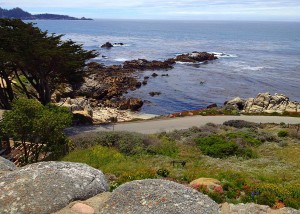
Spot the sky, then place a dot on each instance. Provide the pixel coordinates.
(255, 10)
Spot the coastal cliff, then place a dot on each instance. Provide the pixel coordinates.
(18, 13)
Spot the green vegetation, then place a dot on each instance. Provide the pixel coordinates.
(38, 128)
(282, 133)
(35, 63)
(249, 160)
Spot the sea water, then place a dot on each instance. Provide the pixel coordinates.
(253, 57)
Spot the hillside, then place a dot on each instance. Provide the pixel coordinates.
(18, 13)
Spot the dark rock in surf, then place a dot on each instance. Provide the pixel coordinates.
(107, 45)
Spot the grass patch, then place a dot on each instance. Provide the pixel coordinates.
(271, 178)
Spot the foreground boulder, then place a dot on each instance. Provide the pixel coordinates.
(210, 183)
(6, 165)
(48, 187)
(254, 208)
(264, 102)
(158, 196)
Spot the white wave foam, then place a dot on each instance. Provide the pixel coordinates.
(223, 55)
(178, 54)
(254, 68)
(188, 63)
(119, 45)
(120, 59)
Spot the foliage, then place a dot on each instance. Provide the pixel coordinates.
(128, 143)
(282, 133)
(165, 146)
(240, 124)
(218, 146)
(34, 124)
(246, 137)
(44, 60)
(163, 172)
(272, 177)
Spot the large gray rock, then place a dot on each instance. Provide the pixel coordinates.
(252, 208)
(265, 102)
(48, 187)
(6, 165)
(158, 196)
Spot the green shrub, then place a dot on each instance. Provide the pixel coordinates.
(267, 198)
(165, 146)
(292, 202)
(216, 146)
(240, 124)
(128, 143)
(249, 139)
(282, 133)
(217, 197)
(163, 172)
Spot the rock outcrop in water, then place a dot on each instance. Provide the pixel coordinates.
(264, 102)
(104, 86)
(143, 64)
(195, 57)
(107, 45)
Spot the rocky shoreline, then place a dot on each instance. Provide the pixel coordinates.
(105, 87)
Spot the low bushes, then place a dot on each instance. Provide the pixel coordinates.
(128, 143)
(218, 146)
(240, 124)
(165, 146)
(282, 133)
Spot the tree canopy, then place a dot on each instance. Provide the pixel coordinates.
(36, 61)
(38, 128)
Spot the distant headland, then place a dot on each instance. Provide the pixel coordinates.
(18, 13)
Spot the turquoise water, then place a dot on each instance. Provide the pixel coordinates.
(258, 57)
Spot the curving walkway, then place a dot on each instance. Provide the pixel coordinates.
(160, 125)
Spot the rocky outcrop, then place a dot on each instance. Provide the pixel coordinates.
(90, 206)
(235, 104)
(154, 93)
(158, 196)
(214, 105)
(6, 165)
(143, 64)
(195, 57)
(264, 102)
(47, 187)
(107, 45)
(254, 208)
(133, 104)
(210, 183)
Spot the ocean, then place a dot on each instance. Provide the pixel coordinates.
(254, 57)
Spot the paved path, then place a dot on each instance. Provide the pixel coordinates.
(160, 125)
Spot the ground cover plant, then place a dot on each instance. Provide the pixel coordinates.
(251, 161)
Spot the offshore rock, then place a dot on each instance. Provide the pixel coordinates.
(107, 45)
(195, 57)
(143, 64)
(47, 187)
(158, 196)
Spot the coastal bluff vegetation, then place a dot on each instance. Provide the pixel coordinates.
(47, 84)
